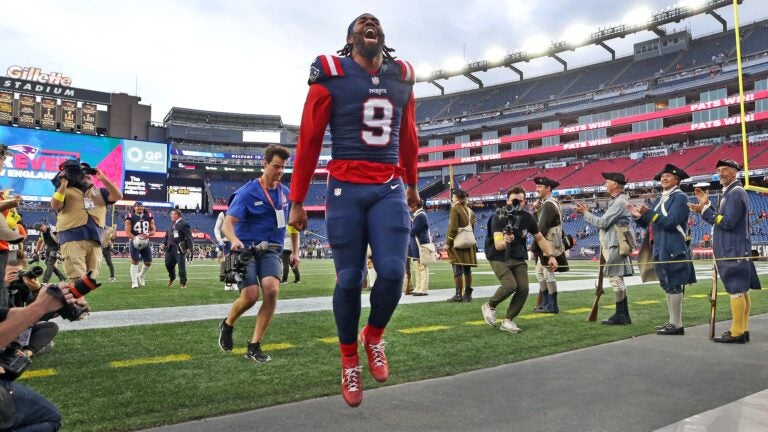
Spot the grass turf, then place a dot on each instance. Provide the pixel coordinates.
(179, 373)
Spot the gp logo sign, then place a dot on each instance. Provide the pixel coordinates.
(145, 156)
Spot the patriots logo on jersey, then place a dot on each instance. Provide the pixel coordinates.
(313, 73)
(375, 80)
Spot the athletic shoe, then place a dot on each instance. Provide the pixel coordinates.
(489, 314)
(183, 286)
(46, 349)
(140, 277)
(509, 326)
(170, 282)
(351, 381)
(377, 360)
(225, 336)
(134, 286)
(297, 281)
(112, 279)
(255, 353)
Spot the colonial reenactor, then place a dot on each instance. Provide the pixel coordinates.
(550, 222)
(732, 246)
(665, 221)
(614, 226)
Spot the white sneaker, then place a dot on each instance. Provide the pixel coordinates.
(140, 277)
(489, 314)
(134, 286)
(509, 326)
(112, 279)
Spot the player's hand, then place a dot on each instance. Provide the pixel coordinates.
(298, 217)
(412, 196)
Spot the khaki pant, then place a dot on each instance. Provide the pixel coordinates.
(422, 278)
(80, 257)
(513, 275)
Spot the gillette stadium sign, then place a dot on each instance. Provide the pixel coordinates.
(34, 80)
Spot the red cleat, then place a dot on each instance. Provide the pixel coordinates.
(377, 360)
(351, 381)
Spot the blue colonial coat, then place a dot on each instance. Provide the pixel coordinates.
(667, 221)
(420, 232)
(731, 239)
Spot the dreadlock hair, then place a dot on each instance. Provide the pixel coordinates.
(386, 51)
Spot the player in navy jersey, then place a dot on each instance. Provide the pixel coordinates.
(366, 96)
(140, 224)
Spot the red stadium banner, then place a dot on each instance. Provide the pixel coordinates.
(48, 108)
(639, 136)
(68, 115)
(27, 110)
(6, 107)
(89, 118)
(671, 112)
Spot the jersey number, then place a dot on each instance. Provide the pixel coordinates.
(141, 227)
(377, 117)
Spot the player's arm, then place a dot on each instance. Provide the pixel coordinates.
(129, 228)
(152, 227)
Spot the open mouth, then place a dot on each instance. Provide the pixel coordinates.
(370, 35)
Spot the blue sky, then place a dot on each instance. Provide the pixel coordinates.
(254, 56)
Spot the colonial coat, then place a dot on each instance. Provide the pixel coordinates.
(731, 239)
(667, 218)
(419, 233)
(460, 216)
(616, 213)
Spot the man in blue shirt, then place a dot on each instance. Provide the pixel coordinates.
(257, 215)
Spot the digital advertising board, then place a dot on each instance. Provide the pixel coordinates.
(35, 156)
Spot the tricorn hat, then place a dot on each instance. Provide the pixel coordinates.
(671, 169)
(461, 193)
(546, 182)
(617, 177)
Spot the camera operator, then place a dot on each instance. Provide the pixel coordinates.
(257, 214)
(510, 226)
(28, 409)
(23, 286)
(82, 215)
(48, 246)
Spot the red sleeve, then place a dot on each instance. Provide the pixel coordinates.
(409, 143)
(314, 119)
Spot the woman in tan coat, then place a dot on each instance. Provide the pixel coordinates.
(462, 260)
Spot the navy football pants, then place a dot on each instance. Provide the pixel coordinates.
(356, 215)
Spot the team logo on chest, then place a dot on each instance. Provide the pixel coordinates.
(375, 80)
(337, 192)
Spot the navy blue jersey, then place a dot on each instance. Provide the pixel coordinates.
(140, 224)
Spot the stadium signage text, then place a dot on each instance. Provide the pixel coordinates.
(37, 75)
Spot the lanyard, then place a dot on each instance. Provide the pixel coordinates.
(266, 193)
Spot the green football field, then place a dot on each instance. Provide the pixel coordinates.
(135, 377)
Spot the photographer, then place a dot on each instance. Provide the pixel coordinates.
(507, 254)
(23, 287)
(8, 235)
(48, 246)
(26, 408)
(82, 215)
(257, 215)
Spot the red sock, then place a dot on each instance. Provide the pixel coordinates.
(348, 350)
(373, 333)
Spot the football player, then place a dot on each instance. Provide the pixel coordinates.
(139, 224)
(367, 98)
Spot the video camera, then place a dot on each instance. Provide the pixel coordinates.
(73, 170)
(510, 215)
(232, 269)
(13, 361)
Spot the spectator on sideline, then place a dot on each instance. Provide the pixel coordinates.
(178, 240)
(462, 260)
(420, 235)
(107, 241)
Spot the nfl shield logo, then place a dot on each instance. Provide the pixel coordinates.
(375, 80)
(337, 192)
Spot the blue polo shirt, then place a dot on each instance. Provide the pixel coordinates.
(257, 220)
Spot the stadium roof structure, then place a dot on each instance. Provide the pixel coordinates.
(665, 16)
(187, 116)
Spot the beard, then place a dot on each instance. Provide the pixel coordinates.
(367, 51)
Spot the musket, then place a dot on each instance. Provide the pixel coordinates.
(598, 290)
(713, 300)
